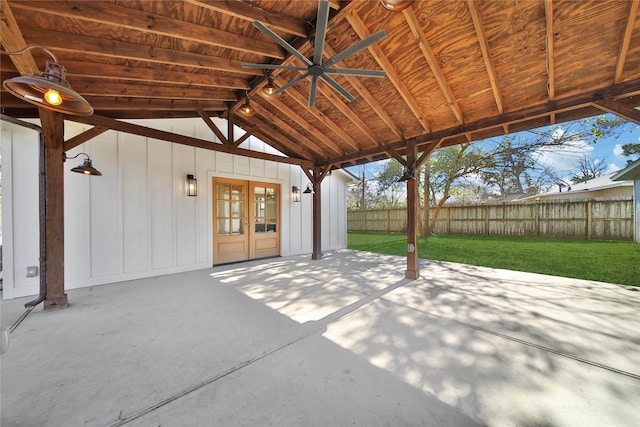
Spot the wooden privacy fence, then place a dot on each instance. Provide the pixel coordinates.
(574, 219)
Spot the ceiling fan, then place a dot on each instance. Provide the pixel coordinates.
(315, 66)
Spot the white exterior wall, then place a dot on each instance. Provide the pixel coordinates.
(136, 221)
(636, 210)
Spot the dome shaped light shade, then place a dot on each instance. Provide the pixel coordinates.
(396, 5)
(87, 169)
(49, 90)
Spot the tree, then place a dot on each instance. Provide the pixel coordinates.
(390, 192)
(445, 167)
(588, 169)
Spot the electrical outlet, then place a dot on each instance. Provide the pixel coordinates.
(32, 271)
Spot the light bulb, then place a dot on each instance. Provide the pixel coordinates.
(53, 97)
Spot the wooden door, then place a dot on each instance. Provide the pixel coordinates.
(230, 221)
(264, 220)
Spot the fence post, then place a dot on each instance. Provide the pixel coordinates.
(589, 220)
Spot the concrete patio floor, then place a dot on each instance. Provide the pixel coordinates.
(338, 342)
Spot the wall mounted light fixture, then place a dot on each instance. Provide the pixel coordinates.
(86, 168)
(48, 90)
(192, 185)
(309, 189)
(407, 175)
(295, 194)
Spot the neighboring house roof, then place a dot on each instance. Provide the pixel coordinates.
(631, 172)
(600, 183)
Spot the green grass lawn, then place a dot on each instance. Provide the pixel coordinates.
(605, 261)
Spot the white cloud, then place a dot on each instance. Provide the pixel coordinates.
(563, 159)
(617, 151)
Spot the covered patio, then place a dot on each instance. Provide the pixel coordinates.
(344, 340)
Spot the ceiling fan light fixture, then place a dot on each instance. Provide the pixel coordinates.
(396, 5)
(48, 90)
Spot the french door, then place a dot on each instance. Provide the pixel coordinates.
(246, 220)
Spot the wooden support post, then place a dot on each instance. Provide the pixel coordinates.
(52, 210)
(413, 205)
(317, 217)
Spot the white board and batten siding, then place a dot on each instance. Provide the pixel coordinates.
(136, 220)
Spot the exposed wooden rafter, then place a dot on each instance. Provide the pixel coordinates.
(430, 57)
(149, 23)
(626, 40)
(382, 60)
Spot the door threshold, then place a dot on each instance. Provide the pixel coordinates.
(246, 260)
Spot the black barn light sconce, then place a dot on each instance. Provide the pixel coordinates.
(86, 168)
(192, 185)
(309, 189)
(295, 193)
(48, 90)
(407, 175)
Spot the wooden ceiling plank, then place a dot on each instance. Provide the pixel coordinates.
(428, 54)
(13, 41)
(548, 12)
(319, 115)
(85, 136)
(293, 133)
(296, 118)
(151, 75)
(124, 50)
(338, 102)
(134, 90)
(619, 109)
(275, 137)
(486, 53)
(382, 60)
(205, 117)
(368, 98)
(626, 40)
(149, 23)
(248, 12)
(182, 139)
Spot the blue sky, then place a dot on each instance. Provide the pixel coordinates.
(565, 161)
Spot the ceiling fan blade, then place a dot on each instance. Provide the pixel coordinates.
(286, 46)
(336, 86)
(355, 72)
(291, 83)
(321, 31)
(313, 90)
(274, 67)
(355, 48)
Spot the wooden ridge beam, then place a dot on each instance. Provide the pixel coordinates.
(148, 132)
